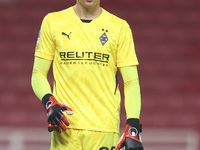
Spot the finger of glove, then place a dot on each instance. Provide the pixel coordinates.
(67, 109)
(120, 145)
(56, 127)
(50, 126)
(65, 120)
(62, 126)
(57, 119)
(62, 117)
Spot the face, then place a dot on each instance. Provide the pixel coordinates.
(88, 3)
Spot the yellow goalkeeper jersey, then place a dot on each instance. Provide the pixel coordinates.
(85, 61)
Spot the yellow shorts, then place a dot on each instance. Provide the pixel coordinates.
(74, 139)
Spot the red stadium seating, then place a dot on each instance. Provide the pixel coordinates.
(166, 35)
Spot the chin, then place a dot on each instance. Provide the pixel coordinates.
(90, 3)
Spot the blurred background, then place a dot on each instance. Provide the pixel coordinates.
(167, 42)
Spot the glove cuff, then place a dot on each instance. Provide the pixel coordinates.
(45, 99)
(135, 123)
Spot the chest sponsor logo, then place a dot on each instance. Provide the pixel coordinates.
(84, 58)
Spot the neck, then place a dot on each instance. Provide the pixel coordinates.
(88, 13)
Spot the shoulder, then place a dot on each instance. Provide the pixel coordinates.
(59, 15)
(114, 19)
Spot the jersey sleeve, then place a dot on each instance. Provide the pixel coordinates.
(131, 91)
(45, 47)
(126, 55)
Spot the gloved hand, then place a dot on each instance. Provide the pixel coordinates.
(56, 118)
(131, 138)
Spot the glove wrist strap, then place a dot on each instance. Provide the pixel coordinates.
(135, 123)
(45, 99)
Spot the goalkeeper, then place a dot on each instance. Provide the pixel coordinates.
(86, 45)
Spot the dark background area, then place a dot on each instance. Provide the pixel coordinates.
(167, 42)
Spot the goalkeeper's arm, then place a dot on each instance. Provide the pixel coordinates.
(131, 138)
(42, 90)
(131, 91)
(39, 80)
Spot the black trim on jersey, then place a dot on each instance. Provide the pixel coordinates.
(86, 21)
(116, 83)
(55, 86)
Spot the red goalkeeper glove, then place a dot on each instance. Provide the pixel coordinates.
(131, 138)
(56, 118)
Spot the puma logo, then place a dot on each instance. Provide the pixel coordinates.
(63, 33)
